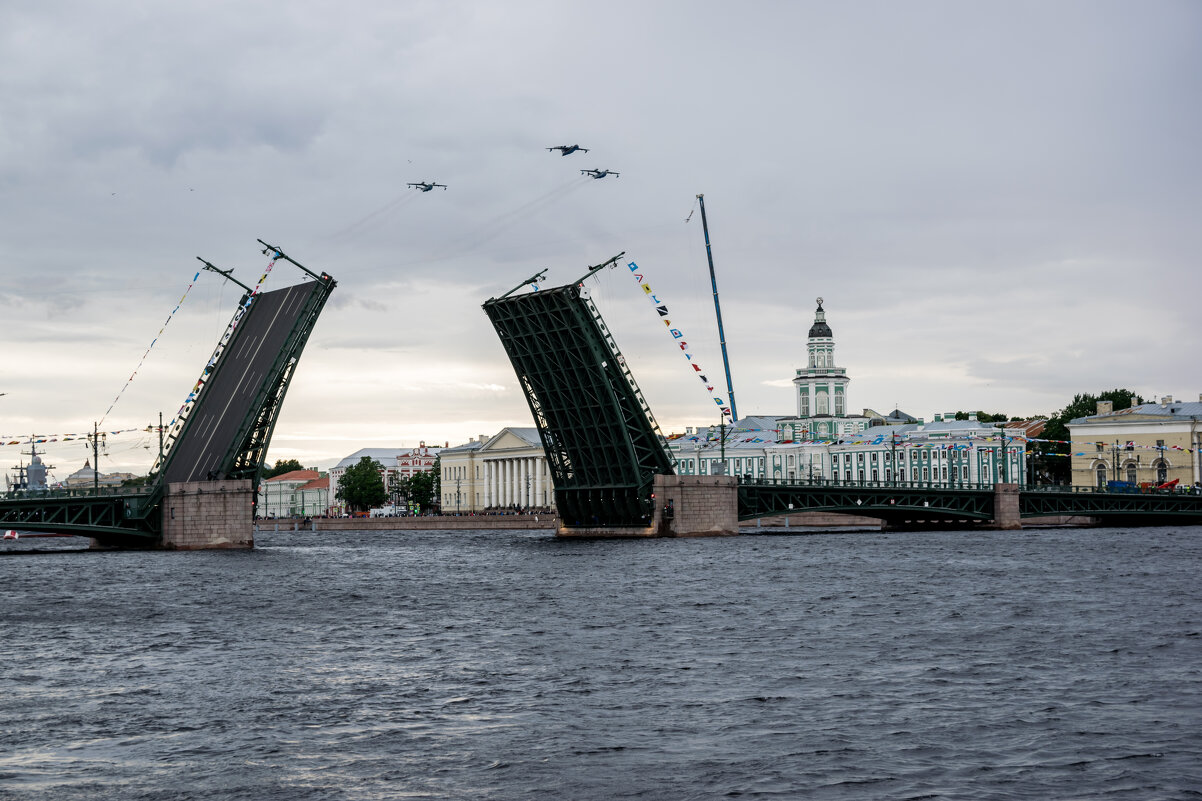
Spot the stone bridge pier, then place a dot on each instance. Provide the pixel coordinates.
(202, 515)
(685, 506)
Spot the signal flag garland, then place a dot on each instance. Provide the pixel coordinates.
(662, 310)
(151, 346)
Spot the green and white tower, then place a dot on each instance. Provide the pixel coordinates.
(821, 386)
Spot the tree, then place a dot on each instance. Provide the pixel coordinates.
(425, 487)
(1054, 455)
(361, 487)
(282, 467)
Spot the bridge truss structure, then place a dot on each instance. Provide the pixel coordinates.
(901, 504)
(222, 431)
(602, 443)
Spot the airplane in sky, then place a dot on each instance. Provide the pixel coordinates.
(599, 173)
(566, 149)
(426, 186)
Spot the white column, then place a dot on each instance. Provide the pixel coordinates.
(515, 484)
(488, 483)
(538, 480)
(525, 482)
(508, 482)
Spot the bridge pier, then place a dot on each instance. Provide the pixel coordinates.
(1005, 507)
(685, 506)
(203, 515)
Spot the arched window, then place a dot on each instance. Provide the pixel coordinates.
(1132, 475)
(1162, 471)
(1101, 476)
(822, 403)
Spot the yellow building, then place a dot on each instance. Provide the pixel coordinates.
(1153, 443)
(507, 471)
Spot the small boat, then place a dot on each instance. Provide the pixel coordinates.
(11, 535)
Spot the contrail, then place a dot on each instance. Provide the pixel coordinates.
(362, 224)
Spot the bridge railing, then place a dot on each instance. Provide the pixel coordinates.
(1080, 489)
(76, 492)
(853, 484)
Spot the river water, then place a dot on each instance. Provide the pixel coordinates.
(1058, 663)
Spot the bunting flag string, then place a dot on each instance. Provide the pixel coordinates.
(150, 347)
(677, 335)
(902, 440)
(9, 440)
(225, 339)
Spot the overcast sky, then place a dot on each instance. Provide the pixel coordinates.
(999, 203)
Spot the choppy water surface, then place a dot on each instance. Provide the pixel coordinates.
(500, 665)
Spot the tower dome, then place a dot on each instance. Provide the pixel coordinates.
(820, 328)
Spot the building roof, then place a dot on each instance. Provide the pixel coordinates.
(1029, 428)
(388, 454)
(1146, 412)
(296, 475)
(466, 447)
(820, 328)
(317, 484)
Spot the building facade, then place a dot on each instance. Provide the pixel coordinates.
(505, 472)
(395, 463)
(941, 453)
(279, 496)
(1150, 444)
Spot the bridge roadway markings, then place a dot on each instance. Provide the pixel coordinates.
(253, 344)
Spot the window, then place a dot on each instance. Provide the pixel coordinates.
(823, 403)
(926, 474)
(1160, 443)
(1162, 471)
(1101, 474)
(945, 473)
(874, 475)
(901, 474)
(838, 404)
(803, 408)
(1098, 445)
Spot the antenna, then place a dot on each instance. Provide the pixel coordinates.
(227, 273)
(730, 390)
(279, 254)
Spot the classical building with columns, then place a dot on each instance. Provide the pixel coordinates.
(503, 472)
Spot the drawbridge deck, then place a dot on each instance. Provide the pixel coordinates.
(603, 445)
(222, 432)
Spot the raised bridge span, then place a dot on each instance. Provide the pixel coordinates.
(614, 476)
(220, 436)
